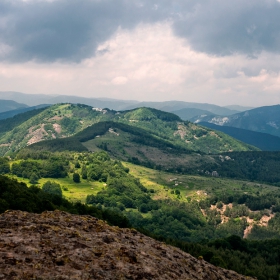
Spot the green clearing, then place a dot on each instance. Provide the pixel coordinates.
(194, 187)
(70, 190)
(191, 187)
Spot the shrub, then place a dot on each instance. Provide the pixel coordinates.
(52, 188)
(76, 178)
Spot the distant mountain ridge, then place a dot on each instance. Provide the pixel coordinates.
(187, 114)
(171, 106)
(11, 113)
(264, 141)
(38, 99)
(263, 119)
(115, 104)
(239, 108)
(8, 105)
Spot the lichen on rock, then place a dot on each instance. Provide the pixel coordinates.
(58, 245)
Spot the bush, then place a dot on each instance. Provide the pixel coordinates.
(76, 178)
(34, 178)
(52, 188)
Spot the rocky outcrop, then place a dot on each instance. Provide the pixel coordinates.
(58, 245)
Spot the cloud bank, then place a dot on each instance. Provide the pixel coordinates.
(215, 51)
(71, 30)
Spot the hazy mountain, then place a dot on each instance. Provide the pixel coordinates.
(206, 118)
(264, 141)
(7, 105)
(171, 106)
(239, 108)
(264, 119)
(114, 104)
(37, 99)
(11, 113)
(29, 99)
(187, 114)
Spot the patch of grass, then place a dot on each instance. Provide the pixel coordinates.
(194, 187)
(70, 190)
(162, 185)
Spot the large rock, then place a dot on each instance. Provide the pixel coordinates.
(58, 245)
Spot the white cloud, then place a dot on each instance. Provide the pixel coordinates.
(119, 80)
(150, 63)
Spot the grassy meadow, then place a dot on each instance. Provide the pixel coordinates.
(163, 183)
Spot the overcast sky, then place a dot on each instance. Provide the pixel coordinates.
(215, 51)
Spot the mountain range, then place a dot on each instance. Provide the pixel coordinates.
(115, 104)
(263, 119)
(64, 120)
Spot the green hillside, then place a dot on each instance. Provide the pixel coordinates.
(57, 121)
(183, 133)
(183, 207)
(175, 208)
(64, 120)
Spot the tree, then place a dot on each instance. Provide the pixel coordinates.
(52, 188)
(84, 172)
(4, 166)
(33, 178)
(76, 178)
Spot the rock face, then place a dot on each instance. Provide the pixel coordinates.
(58, 245)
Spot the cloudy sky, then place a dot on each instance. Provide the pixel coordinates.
(214, 51)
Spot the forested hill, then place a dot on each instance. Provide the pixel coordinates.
(65, 120)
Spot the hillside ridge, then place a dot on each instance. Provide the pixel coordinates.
(64, 120)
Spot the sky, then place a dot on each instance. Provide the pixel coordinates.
(215, 51)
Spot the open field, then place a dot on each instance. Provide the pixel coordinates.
(70, 190)
(193, 187)
(165, 185)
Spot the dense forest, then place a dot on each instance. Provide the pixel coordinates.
(256, 166)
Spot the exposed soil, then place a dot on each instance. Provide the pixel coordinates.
(262, 222)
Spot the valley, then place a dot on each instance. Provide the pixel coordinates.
(224, 206)
(187, 185)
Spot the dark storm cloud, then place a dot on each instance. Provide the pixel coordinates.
(71, 30)
(222, 27)
(65, 29)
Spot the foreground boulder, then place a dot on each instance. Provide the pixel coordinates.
(58, 245)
